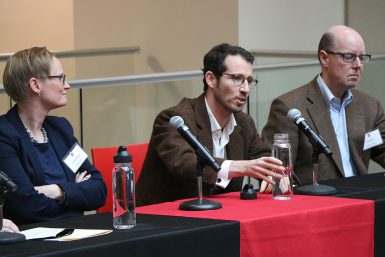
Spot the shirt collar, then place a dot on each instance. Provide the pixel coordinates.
(228, 129)
(328, 95)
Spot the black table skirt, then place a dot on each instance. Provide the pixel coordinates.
(153, 236)
(371, 187)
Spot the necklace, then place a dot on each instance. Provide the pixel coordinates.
(35, 140)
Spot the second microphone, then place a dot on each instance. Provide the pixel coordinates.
(178, 123)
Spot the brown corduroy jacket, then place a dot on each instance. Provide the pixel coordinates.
(169, 170)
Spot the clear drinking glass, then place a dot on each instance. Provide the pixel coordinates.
(283, 188)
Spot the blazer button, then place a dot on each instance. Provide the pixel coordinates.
(219, 180)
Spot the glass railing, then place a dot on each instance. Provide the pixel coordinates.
(92, 63)
(125, 114)
(82, 65)
(275, 80)
(119, 110)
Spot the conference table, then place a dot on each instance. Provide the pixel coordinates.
(303, 226)
(371, 187)
(154, 235)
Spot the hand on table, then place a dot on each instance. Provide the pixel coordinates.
(9, 226)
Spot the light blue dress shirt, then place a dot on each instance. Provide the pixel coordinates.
(338, 117)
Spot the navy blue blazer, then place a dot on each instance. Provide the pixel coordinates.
(20, 161)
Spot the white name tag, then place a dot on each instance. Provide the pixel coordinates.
(75, 157)
(372, 139)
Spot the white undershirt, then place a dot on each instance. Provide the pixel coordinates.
(221, 138)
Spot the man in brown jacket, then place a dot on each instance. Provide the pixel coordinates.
(351, 123)
(217, 121)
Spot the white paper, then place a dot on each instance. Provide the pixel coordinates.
(43, 232)
(82, 233)
(36, 233)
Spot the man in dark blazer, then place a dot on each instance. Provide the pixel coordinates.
(217, 121)
(343, 116)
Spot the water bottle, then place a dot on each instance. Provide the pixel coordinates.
(123, 190)
(283, 188)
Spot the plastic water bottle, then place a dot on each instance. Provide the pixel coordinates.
(283, 188)
(123, 190)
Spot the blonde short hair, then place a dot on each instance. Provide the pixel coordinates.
(21, 67)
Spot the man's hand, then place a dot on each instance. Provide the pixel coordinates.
(265, 188)
(264, 168)
(284, 186)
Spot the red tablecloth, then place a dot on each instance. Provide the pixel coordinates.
(308, 226)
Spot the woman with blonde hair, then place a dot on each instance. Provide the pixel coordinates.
(34, 146)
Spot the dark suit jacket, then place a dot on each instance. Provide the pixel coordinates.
(169, 170)
(20, 161)
(363, 115)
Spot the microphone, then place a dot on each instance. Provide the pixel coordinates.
(178, 123)
(7, 182)
(7, 237)
(316, 139)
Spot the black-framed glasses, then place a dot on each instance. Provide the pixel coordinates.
(239, 79)
(351, 58)
(61, 77)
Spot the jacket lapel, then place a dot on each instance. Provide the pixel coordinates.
(204, 132)
(356, 129)
(320, 118)
(27, 145)
(203, 124)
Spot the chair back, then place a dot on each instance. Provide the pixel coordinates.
(103, 159)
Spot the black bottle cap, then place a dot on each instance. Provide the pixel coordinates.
(122, 156)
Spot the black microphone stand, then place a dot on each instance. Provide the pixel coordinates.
(7, 237)
(248, 192)
(200, 204)
(315, 188)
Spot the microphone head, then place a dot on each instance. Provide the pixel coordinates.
(6, 183)
(176, 121)
(11, 186)
(293, 114)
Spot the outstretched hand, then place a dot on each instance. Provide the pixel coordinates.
(264, 168)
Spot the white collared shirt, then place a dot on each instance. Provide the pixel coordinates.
(338, 117)
(221, 138)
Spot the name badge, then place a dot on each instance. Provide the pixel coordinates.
(75, 157)
(372, 139)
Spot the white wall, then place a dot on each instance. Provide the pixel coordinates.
(24, 24)
(283, 25)
(368, 18)
(297, 25)
(286, 24)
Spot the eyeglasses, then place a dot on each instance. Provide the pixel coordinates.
(239, 79)
(351, 58)
(61, 77)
